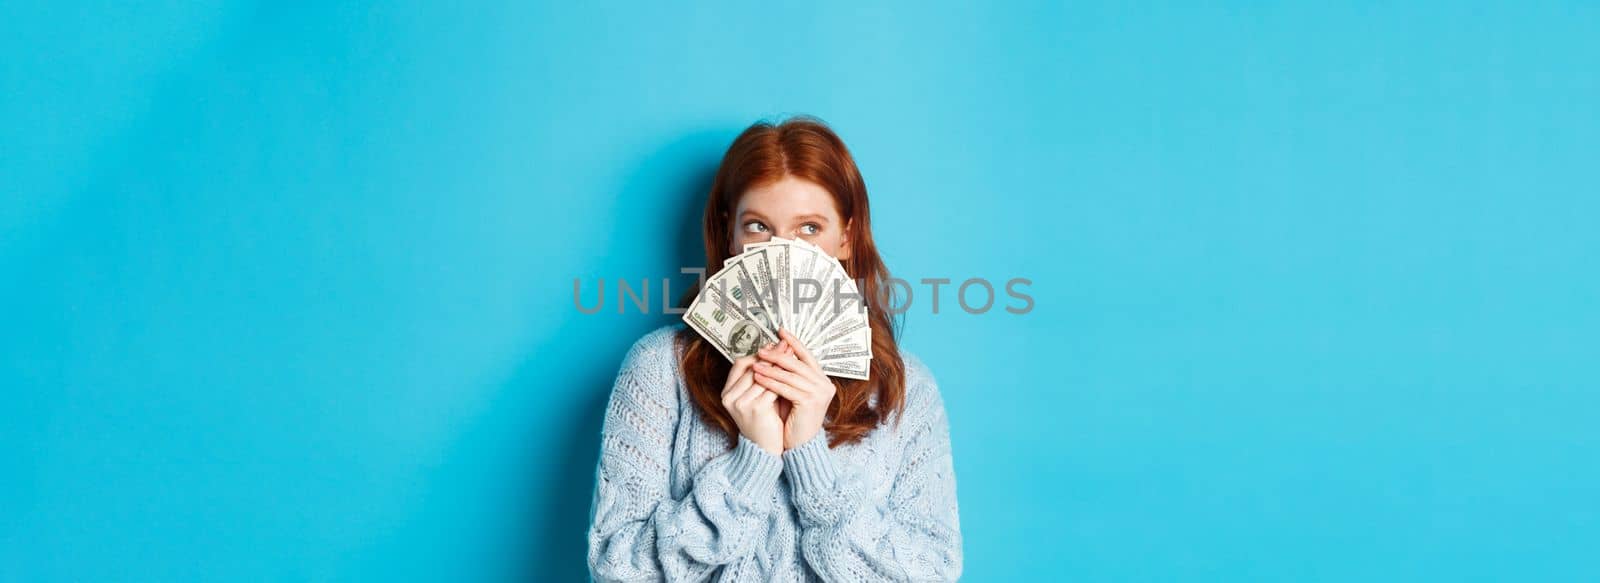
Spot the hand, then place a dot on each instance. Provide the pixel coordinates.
(754, 409)
(790, 371)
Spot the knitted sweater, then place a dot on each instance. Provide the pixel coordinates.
(674, 503)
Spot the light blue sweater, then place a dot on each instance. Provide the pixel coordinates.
(674, 503)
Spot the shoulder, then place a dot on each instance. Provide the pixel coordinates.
(922, 389)
(917, 372)
(653, 358)
(659, 343)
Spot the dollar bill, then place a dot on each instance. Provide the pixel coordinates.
(850, 368)
(786, 284)
(778, 278)
(733, 332)
(843, 312)
(779, 297)
(826, 272)
(843, 349)
(745, 287)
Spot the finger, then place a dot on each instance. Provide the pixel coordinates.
(765, 369)
(745, 383)
(779, 353)
(740, 365)
(767, 398)
(799, 349)
(788, 362)
(746, 401)
(770, 351)
(782, 389)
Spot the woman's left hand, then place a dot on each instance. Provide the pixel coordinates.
(790, 371)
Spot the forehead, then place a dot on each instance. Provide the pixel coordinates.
(789, 196)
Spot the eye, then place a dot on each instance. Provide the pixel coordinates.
(755, 227)
(810, 229)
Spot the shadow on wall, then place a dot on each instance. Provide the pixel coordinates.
(681, 171)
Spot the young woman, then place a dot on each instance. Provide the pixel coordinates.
(765, 469)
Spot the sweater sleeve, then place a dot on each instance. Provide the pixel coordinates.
(913, 535)
(639, 531)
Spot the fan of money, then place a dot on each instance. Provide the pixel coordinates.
(792, 285)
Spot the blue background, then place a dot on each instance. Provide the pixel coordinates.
(288, 287)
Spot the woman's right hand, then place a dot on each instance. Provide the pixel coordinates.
(754, 408)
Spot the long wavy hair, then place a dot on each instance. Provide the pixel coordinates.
(805, 148)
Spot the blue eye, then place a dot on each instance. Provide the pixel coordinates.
(755, 227)
(810, 228)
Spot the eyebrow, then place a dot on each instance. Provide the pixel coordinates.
(805, 217)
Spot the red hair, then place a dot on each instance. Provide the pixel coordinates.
(805, 148)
